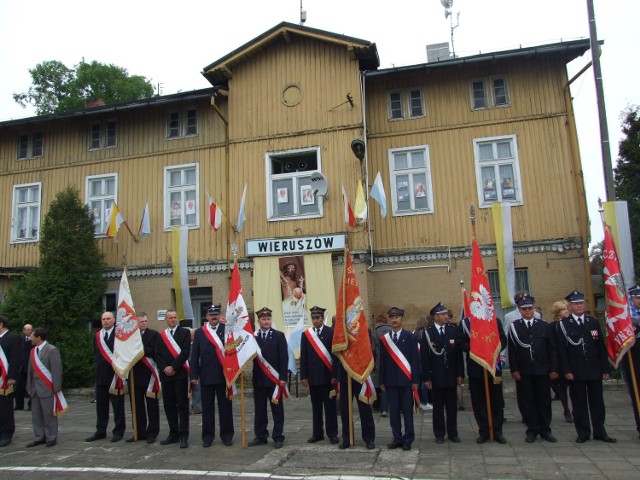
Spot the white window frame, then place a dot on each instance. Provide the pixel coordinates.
(405, 104)
(411, 188)
(514, 162)
(295, 193)
(489, 88)
(103, 134)
(107, 200)
(181, 188)
(25, 205)
(183, 123)
(31, 145)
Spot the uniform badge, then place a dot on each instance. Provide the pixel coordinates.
(594, 333)
(452, 341)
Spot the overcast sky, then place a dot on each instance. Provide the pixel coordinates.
(170, 43)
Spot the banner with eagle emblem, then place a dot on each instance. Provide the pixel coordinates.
(127, 349)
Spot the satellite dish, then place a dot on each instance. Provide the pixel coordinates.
(319, 184)
(446, 3)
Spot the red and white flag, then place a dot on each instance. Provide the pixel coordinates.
(215, 214)
(485, 339)
(127, 348)
(240, 345)
(349, 217)
(620, 331)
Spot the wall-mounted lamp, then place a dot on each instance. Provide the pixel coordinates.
(357, 147)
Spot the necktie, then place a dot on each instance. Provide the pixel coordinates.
(318, 331)
(529, 323)
(38, 351)
(395, 337)
(442, 333)
(172, 332)
(106, 337)
(264, 336)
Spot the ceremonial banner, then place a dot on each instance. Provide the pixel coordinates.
(179, 248)
(351, 342)
(115, 220)
(349, 218)
(620, 331)
(360, 207)
(616, 216)
(504, 247)
(127, 348)
(240, 345)
(485, 340)
(293, 344)
(294, 291)
(377, 193)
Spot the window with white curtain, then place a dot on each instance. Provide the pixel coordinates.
(101, 192)
(25, 213)
(497, 170)
(410, 174)
(181, 196)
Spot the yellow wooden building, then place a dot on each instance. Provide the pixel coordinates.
(289, 105)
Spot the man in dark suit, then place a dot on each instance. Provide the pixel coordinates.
(109, 387)
(10, 363)
(45, 424)
(146, 382)
(584, 363)
(273, 347)
(172, 355)
(533, 362)
(21, 381)
(399, 377)
(442, 372)
(316, 368)
(634, 354)
(476, 375)
(207, 351)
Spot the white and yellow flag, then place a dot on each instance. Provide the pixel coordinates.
(616, 216)
(127, 349)
(179, 248)
(504, 247)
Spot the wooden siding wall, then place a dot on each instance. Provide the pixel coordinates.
(537, 118)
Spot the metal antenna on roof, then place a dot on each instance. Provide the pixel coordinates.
(447, 4)
(303, 14)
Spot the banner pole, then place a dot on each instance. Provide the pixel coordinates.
(242, 416)
(132, 389)
(350, 396)
(634, 381)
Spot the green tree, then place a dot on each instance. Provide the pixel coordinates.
(63, 294)
(56, 88)
(627, 175)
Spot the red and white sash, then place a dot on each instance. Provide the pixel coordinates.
(175, 350)
(219, 348)
(153, 389)
(5, 388)
(117, 386)
(319, 347)
(60, 403)
(273, 375)
(400, 360)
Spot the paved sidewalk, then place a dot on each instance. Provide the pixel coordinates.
(73, 458)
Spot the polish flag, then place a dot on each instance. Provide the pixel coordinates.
(215, 214)
(349, 217)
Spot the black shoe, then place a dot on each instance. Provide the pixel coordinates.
(35, 443)
(394, 445)
(455, 439)
(278, 443)
(17, 408)
(151, 440)
(370, 446)
(257, 441)
(169, 441)
(206, 444)
(568, 418)
(51, 443)
(481, 439)
(439, 440)
(344, 445)
(130, 440)
(500, 439)
(581, 439)
(549, 438)
(228, 443)
(605, 438)
(406, 446)
(4, 442)
(95, 436)
(314, 439)
(461, 408)
(184, 443)
(334, 440)
(116, 438)
(531, 437)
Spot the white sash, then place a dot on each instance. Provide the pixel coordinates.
(397, 355)
(60, 404)
(4, 371)
(319, 347)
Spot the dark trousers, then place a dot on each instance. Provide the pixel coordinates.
(262, 396)
(147, 414)
(103, 398)
(445, 399)
(587, 401)
(629, 381)
(479, 405)
(364, 411)
(320, 400)
(175, 397)
(535, 403)
(20, 392)
(208, 394)
(7, 419)
(401, 404)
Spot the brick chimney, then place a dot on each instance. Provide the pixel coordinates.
(98, 102)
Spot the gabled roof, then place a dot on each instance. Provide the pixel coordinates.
(565, 50)
(219, 72)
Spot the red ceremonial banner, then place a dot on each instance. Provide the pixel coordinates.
(620, 332)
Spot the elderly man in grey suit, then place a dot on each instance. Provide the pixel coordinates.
(47, 366)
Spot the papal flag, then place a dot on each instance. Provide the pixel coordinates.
(127, 348)
(620, 331)
(242, 216)
(179, 249)
(485, 339)
(360, 207)
(115, 220)
(616, 216)
(504, 246)
(240, 345)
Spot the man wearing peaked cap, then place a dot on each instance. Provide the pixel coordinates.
(532, 356)
(442, 372)
(634, 353)
(316, 368)
(264, 312)
(583, 362)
